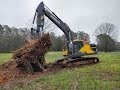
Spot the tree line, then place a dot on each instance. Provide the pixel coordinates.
(12, 38)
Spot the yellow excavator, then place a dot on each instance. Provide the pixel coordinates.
(76, 50)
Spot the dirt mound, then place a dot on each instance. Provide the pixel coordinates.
(9, 72)
(31, 56)
(26, 60)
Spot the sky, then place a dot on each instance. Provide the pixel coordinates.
(80, 15)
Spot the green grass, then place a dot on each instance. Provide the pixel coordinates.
(52, 56)
(4, 57)
(102, 76)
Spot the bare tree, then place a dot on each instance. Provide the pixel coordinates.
(106, 34)
(107, 29)
(49, 26)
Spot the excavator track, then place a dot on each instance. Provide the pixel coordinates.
(68, 62)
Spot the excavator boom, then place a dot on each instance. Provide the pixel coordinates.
(42, 11)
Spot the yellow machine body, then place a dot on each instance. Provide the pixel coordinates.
(86, 48)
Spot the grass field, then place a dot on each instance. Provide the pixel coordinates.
(102, 76)
(4, 57)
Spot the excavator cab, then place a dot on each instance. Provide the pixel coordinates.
(76, 46)
(79, 49)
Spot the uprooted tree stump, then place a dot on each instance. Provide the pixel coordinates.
(32, 56)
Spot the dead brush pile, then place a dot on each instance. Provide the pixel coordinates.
(31, 56)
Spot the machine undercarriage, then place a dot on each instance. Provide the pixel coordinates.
(68, 62)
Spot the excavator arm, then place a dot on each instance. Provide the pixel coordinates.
(42, 11)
